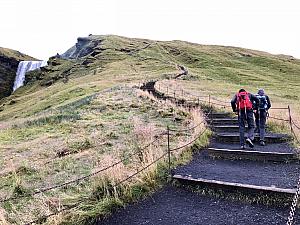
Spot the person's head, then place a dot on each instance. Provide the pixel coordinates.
(241, 90)
(261, 92)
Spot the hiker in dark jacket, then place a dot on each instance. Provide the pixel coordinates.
(261, 108)
(242, 104)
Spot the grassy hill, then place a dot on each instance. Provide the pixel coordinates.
(81, 114)
(122, 60)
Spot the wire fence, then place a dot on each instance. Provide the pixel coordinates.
(188, 129)
(181, 95)
(131, 176)
(213, 101)
(277, 118)
(112, 187)
(80, 179)
(289, 120)
(296, 125)
(190, 142)
(197, 98)
(195, 102)
(77, 180)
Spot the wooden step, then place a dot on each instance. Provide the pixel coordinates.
(224, 121)
(236, 187)
(235, 137)
(226, 128)
(252, 155)
(275, 175)
(221, 115)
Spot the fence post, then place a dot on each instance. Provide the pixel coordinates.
(169, 152)
(209, 100)
(290, 118)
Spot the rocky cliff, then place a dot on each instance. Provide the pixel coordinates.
(9, 60)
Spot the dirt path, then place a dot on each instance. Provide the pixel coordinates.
(271, 174)
(178, 206)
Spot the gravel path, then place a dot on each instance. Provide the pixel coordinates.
(177, 206)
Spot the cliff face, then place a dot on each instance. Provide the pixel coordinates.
(9, 61)
(83, 47)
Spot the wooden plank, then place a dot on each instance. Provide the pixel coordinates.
(269, 138)
(253, 155)
(236, 186)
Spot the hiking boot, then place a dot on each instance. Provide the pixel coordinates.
(243, 147)
(249, 142)
(262, 143)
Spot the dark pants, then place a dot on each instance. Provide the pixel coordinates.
(243, 117)
(260, 120)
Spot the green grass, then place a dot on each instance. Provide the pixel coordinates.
(82, 134)
(23, 134)
(89, 116)
(106, 198)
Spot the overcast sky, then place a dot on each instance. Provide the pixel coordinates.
(43, 28)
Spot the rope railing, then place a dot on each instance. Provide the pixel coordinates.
(112, 187)
(190, 142)
(290, 120)
(114, 164)
(198, 96)
(295, 136)
(276, 118)
(297, 126)
(131, 176)
(195, 126)
(292, 124)
(209, 101)
(280, 108)
(208, 98)
(124, 180)
(218, 99)
(83, 177)
(188, 129)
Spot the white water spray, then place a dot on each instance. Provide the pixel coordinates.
(23, 67)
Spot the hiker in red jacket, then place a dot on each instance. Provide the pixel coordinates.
(242, 104)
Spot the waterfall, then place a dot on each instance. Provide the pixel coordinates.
(23, 67)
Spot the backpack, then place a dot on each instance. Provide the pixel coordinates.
(262, 104)
(243, 101)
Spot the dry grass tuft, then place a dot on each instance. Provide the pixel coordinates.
(143, 131)
(3, 220)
